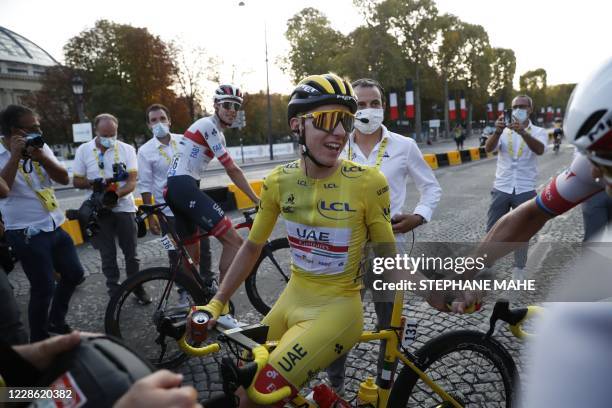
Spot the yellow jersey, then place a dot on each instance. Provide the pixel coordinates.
(328, 221)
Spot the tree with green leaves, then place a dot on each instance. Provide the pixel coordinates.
(125, 70)
(503, 68)
(315, 45)
(476, 56)
(533, 83)
(413, 23)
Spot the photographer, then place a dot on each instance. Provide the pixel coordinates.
(109, 168)
(518, 142)
(32, 220)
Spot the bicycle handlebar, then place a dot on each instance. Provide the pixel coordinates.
(517, 328)
(260, 355)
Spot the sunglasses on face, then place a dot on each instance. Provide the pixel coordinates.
(327, 121)
(230, 105)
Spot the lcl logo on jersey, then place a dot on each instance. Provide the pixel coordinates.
(387, 213)
(335, 210)
(217, 147)
(352, 171)
(291, 167)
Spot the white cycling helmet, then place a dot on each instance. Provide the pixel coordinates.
(588, 117)
(229, 93)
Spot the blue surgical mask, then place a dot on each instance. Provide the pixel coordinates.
(160, 130)
(520, 115)
(107, 142)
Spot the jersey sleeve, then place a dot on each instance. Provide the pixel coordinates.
(79, 168)
(205, 133)
(268, 210)
(569, 188)
(378, 208)
(131, 160)
(145, 171)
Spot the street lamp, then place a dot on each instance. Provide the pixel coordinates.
(77, 90)
(241, 4)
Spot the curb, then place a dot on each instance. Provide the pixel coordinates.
(231, 198)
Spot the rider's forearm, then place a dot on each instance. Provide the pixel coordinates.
(239, 270)
(237, 176)
(513, 229)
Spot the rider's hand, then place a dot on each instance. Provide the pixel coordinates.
(154, 225)
(42, 353)
(160, 389)
(466, 302)
(215, 308)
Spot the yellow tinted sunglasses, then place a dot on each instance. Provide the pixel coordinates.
(328, 120)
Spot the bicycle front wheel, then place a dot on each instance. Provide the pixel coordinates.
(475, 371)
(270, 275)
(139, 325)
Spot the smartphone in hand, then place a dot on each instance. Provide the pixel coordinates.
(508, 117)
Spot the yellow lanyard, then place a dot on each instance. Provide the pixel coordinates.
(521, 145)
(164, 154)
(28, 178)
(381, 152)
(46, 196)
(100, 155)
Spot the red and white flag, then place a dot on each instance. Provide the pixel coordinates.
(409, 99)
(500, 107)
(462, 106)
(452, 113)
(393, 111)
(490, 109)
(549, 113)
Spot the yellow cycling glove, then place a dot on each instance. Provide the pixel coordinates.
(215, 308)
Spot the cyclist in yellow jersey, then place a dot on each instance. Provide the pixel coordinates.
(331, 207)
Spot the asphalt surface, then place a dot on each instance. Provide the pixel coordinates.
(460, 217)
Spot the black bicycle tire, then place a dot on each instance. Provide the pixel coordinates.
(250, 284)
(445, 344)
(111, 323)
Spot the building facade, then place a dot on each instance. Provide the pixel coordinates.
(22, 65)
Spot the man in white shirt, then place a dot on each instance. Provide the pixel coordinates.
(518, 143)
(32, 219)
(398, 158)
(114, 162)
(154, 159)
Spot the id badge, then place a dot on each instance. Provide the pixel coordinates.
(48, 199)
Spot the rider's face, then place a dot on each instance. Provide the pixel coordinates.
(227, 114)
(324, 146)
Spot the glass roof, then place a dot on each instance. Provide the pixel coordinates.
(16, 48)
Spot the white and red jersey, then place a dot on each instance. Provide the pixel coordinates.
(570, 188)
(201, 143)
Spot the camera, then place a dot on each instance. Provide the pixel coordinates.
(34, 140)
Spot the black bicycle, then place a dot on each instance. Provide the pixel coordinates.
(152, 329)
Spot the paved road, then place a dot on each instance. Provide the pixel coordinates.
(461, 216)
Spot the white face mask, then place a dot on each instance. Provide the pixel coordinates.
(374, 119)
(520, 115)
(107, 142)
(160, 130)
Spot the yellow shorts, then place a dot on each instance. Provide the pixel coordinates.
(314, 326)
